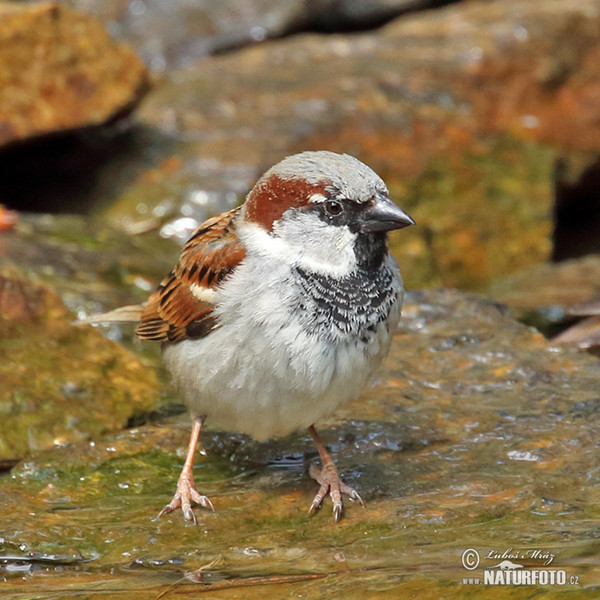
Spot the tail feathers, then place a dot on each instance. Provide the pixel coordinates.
(125, 314)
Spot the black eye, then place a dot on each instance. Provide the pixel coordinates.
(333, 207)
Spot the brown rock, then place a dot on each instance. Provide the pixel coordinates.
(19, 302)
(429, 81)
(550, 285)
(59, 70)
(585, 334)
(551, 296)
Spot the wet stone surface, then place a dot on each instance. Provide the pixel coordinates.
(476, 434)
(550, 284)
(181, 32)
(542, 294)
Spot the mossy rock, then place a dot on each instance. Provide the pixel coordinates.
(60, 382)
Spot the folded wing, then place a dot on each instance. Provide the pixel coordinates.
(182, 306)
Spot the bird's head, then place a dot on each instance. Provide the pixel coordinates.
(329, 211)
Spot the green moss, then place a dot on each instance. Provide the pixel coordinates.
(62, 382)
(480, 215)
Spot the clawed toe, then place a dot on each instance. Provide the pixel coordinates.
(184, 496)
(329, 480)
(332, 486)
(186, 491)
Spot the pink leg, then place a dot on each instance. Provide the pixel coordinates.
(186, 491)
(329, 479)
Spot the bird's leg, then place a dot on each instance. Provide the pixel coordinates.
(329, 480)
(186, 491)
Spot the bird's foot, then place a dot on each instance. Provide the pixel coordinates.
(185, 494)
(333, 486)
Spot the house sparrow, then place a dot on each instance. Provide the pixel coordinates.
(279, 310)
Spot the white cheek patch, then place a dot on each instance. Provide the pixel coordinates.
(304, 241)
(332, 251)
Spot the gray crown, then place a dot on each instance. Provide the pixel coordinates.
(348, 176)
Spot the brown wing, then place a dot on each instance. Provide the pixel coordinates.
(182, 305)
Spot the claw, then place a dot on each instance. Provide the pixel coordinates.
(330, 482)
(186, 491)
(337, 511)
(200, 499)
(184, 496)
(332, 486)
(323, 490)
(188, 515)
(355, 497)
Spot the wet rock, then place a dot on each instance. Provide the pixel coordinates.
(177, 33)
(60, 383)
(589, 306)
(550, 284)
(456, 108)
(477, 433)
(585, 334)
(61, 71)
(93, 267)
(542, 295)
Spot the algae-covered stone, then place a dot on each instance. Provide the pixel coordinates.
(481, 213)
(59, 70)
(60, 383)
(477, 434)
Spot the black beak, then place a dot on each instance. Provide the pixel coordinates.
(384, 215)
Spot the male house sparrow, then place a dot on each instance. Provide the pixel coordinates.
(279, 310)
